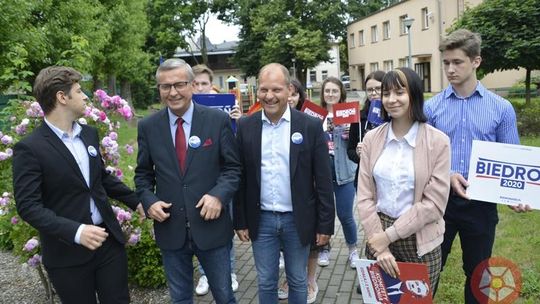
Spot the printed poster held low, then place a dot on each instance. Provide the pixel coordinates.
(504, 174)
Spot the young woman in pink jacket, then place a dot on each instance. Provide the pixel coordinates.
(404, 180)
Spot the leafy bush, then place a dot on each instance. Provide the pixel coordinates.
(528, 117)
(104, 113)
(145, 267)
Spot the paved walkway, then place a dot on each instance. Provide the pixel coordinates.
(337, 282)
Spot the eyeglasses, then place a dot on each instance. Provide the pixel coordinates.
(166, 87)
(375, 90)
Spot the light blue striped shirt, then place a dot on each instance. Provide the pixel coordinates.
(481, 116)
(275, 172)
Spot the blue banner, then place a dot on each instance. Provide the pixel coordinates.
(223, 102)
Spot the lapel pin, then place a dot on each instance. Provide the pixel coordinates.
(92, 151)
(297, 138)
(194, 142)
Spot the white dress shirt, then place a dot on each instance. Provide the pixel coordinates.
(394, 173)
(275, 173)
(188, 119)
(77, 148)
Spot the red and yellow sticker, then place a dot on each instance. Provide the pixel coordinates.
(496, 281)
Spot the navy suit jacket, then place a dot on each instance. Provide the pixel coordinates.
(211, 168)
(311, 179)
(53, 197)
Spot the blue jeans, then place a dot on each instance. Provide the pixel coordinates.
(178, 265)
(277, 230)
(344, 209)
(231, 246)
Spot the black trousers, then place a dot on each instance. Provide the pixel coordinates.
(475, 222)
(105, 274)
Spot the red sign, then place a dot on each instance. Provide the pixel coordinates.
(346, 112)
(314, 110)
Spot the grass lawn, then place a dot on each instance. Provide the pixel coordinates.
(517, 239)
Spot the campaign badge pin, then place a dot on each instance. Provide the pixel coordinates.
(92, 151)
(194, 142)
(297, 138)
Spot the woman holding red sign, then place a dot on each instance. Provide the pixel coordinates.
(404, 180)
(343, 169)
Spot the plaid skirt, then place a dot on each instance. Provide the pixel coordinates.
(404, 250)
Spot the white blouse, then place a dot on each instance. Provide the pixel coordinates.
(394, 173)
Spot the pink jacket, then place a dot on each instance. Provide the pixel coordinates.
(432, 187)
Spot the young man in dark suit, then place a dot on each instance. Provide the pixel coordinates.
(187, 171)
(61, 189)
(286, 197)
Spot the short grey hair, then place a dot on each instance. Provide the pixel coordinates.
(173, 64)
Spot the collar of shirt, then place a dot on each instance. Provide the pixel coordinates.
(410, 137)
(285, 117)
(76, 129)
(187, 117)
(450, 92)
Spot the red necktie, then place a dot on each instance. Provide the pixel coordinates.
(180, 144)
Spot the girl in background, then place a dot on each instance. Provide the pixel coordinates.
(343, 169)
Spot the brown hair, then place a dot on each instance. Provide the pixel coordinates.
(405, 78)
(52, 80)
(464, 40)
(334, 80)
(203, 69)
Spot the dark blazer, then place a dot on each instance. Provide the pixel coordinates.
(212, 168)
(52, 196)
(311, 178)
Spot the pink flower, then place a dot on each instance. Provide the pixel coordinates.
(101, 94)
(119, 173)
(102, 116)
(129, 149)
(14, 220)
(134, 237)
(6, 139)
(31, 244)
(123, 216)
(4, 201)
(9, 152)
(3, 156)
(34, 261)
(113, 135)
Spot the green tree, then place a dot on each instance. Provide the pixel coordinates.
(21, 41)
(510, 35)
(281, 30)
(123, 58)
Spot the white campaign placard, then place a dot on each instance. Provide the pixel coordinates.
(504, 174)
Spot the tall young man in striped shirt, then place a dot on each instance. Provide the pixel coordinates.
(467, 111)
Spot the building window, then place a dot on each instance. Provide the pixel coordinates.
(361, 37)
(374, 36)
(388, 65)
(425, 18)
(374, 66)
(351, 40)
(402, 28)
(386, 30)
(312, 76)
(403, 62)
(324, 74)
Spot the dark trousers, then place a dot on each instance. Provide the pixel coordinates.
(105, 274)
(475, 221)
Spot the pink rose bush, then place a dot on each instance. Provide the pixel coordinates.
(104, 113)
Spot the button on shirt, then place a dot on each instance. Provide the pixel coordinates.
(481, 116)
(394, 173)
(275, 174)
(77, 148)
